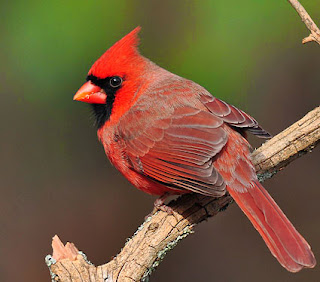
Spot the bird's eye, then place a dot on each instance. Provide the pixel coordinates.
(115, 81)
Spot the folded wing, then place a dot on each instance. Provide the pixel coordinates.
(178, 150)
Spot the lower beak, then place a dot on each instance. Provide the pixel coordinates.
(90, 93)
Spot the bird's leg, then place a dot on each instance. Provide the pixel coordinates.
(160, 205)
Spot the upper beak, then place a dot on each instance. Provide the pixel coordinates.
(90, 93)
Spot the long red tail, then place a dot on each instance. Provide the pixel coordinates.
(285, 243)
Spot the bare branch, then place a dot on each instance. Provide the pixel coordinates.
(161, 231)
(315, 32)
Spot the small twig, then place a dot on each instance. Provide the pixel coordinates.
(315, 32)
(161, 232)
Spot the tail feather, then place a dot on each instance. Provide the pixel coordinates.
(285, 243)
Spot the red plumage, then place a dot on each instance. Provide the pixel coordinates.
(167, 134)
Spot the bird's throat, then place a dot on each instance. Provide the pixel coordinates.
(102, 112)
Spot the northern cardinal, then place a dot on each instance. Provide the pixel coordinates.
(168, 135)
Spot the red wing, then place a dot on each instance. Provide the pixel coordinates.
(233, 116)
(178, 151)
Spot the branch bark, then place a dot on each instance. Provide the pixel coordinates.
(315, 32)
(161, 232)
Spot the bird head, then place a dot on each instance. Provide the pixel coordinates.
(114, 79)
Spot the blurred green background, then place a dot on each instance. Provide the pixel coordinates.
(55, 178)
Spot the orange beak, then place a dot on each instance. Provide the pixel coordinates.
(90, 93)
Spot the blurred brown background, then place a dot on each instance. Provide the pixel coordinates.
(55, 178)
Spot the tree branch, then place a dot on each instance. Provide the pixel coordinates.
(315, 32)
(161, 232)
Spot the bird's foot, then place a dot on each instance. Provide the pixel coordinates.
(159, 205)
(163, 208)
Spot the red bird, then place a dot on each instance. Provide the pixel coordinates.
(168, 135)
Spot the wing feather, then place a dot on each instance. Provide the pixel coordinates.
(233, 116)
(178, 151)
